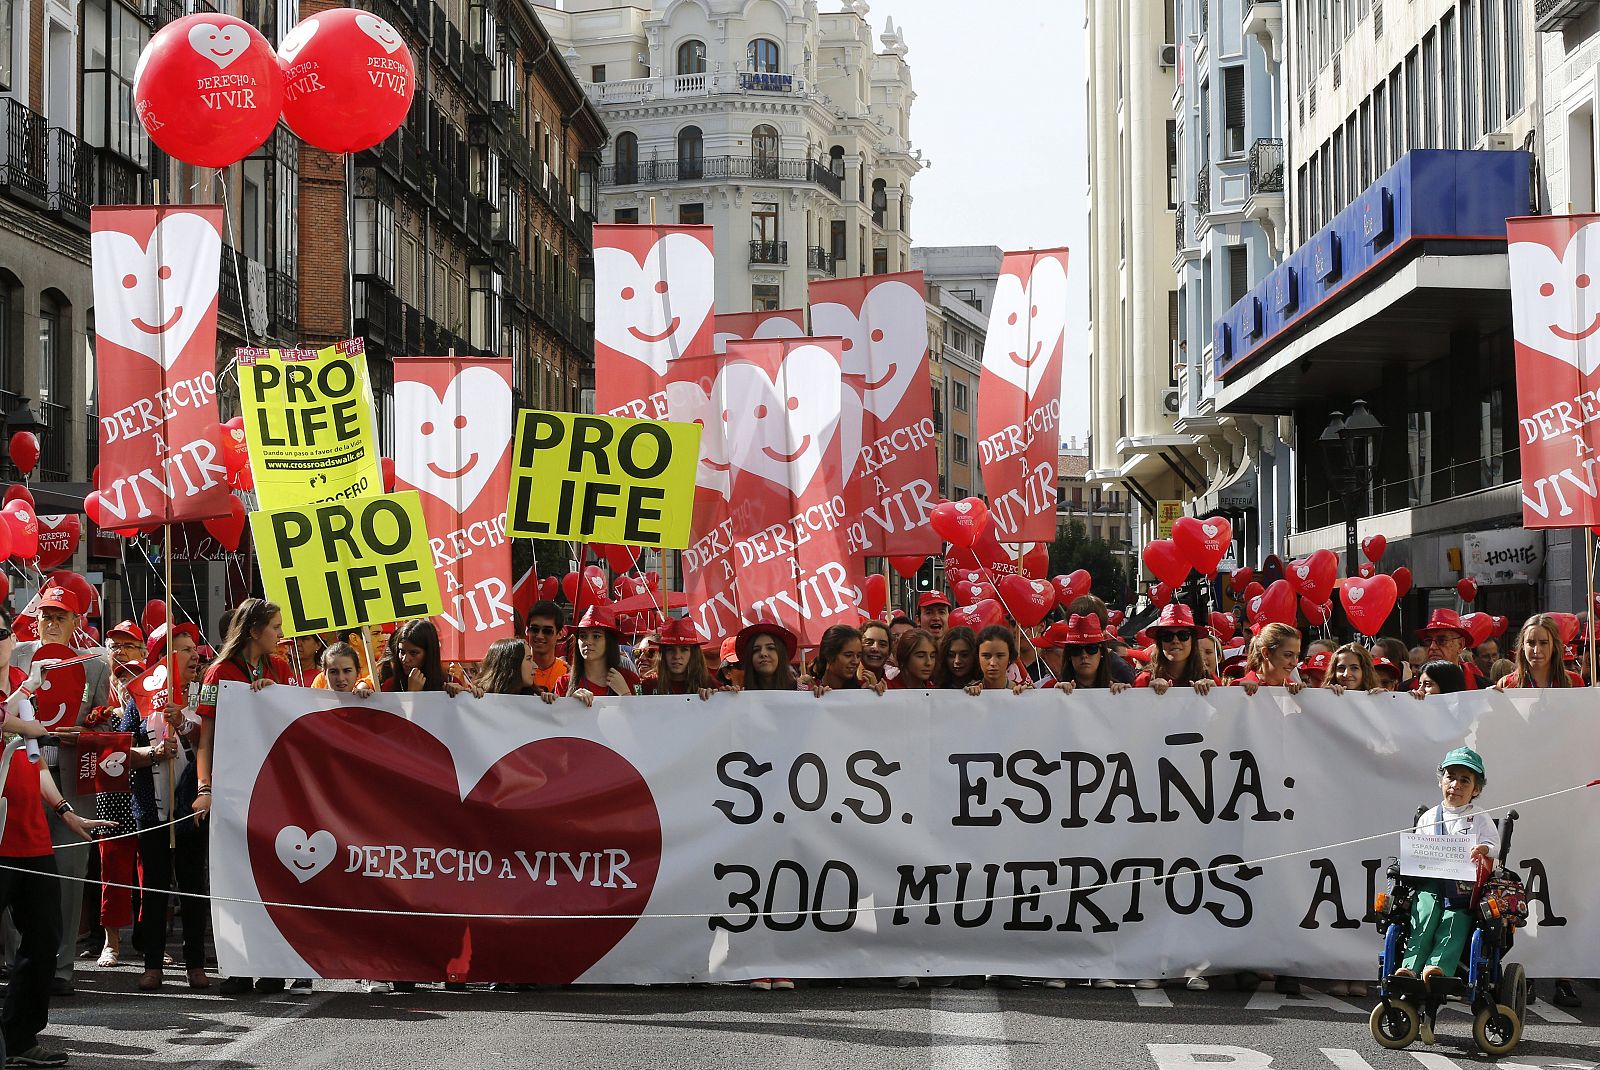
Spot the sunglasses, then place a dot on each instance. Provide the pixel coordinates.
(542, 629)
(1080, 651)
(1176, 636)
(5, 633)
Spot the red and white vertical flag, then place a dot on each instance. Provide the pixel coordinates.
(453, 429)
(780, 552)
(886, 431)
(156, 272)
(653, 293)
(1019, 394)
(753, 326)
(1555, 312)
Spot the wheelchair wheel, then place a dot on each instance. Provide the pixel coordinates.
(1497, 1030)
(1394, 1026)
(1513, 990)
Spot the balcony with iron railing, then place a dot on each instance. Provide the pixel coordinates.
(1202, 190)
(670, 86)
(721, 168)
(1552, 15)
(819, 260)
(22, 152)
(769, 252)
(1266, 166)
(55, 442)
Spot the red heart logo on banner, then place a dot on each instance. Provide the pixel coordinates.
(1314, 576)
(978, 616)
(1480, 626)
(1169, 565)
(310, 839)
(1028, 600)
(1072, 586)
(1203, 543)
(1368, 602)
(1240, 579)
(960, 523)
(1373, 547)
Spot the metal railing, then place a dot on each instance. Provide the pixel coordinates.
(71, 174)
(819, 259)
(769, 252)
(55, 442)
(1178, 224)
(660, 87)
(22, 156)
(1266, 165)
(1202, 190)
(717, 168)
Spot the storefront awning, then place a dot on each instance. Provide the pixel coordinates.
(1233, 494)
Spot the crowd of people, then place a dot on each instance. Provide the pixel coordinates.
(152, 839)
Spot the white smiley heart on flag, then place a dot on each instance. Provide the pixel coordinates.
(449, 447)
(156, 679)
(219, 44)
(771, 327)
(781, 430)
(114, 764)
(379, 30)
(1026, 323)
(652, 311)
(1555, 308)
(298, 38)
(688, 402)
(884, 346)
(151, 298)
(305, 855)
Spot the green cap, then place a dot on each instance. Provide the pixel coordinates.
(1467, 758)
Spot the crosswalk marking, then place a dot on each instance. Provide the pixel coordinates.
(966, 1031)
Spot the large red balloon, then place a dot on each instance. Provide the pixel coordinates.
(228, 530)
(1317, 615)
(1223, 625)
(960, 523)
(876, 592)
(1036, 562)
(1203, 543)
(907, 566)
(348, 79)
(1072, 586)
(1314, 576)
(79, 586)
(549, 587)
(1162, 595)
(1468, 590)
(1568, 624)
(1164, 559)
(24, 525)
(1480, 626)
(154, 616)
(58, 538)
(1275, 605)
(235, 450)
(1028, 600)
(208, 89)
(978, 616)
(1239, 579)
(569, 587)
(1373, 547)
(1402, 581)
(1368, 602)
(25, 451)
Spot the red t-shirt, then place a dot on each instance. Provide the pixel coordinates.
(599, 692)
(1515, 680)
(1249, 677)
(274, 669)
(27, 832)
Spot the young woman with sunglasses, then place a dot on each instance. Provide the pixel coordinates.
(1084, 660)
(1178, 658)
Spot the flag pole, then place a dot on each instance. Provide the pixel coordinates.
(1588, 568)
(170, 790)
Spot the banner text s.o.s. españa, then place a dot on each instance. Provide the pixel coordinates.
(603, 479)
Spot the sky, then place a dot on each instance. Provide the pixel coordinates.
(1001, 115)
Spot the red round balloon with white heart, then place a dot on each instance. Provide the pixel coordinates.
(1027, 599)
(348, 79)
(978, 616)
(208, 89)
(24, 525)
(960, 523)
(58, 538)
(1368, 602)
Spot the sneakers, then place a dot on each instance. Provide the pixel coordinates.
(1197, 984)
(1055, 982)
(1146, 983)
(762, 983)
(1339, 988)
(234, 986)
(38, 1056)
(907, 982)
(782, 983)
(375, 988)
(1566, 995)
(1103, 982)
(1425, 1032)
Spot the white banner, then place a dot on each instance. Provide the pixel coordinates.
(725, 820)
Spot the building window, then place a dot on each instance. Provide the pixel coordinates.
(1472, 128)
(1380, 129)
(961, 492)
(625, 215)
(836, 240)
(692, 57)
(763, 56)
(1513, 53)
(626, 158)
(8, 14)
(959, 447)
(692, 214)
(764, 150)
(691, 153)
(880, 261)
(374, 237)
(1238, 274)
(1366, 144)
(1174, 336)
(1233, 109)
(113, 38)
(1448, 99)
(1174, 191)
(1489, 35)
(1413, 114)
(1430, 81)
(1077, 497)
(880, 200)
(55, 368)
(836, 160)
(484, 310)
(765, 298)
(764, 221)
(958, 396)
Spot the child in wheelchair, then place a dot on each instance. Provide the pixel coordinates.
(1429, 923)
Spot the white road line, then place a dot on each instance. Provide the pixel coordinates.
(259, 1033)
(974, 1019)
(1549, 1012)
(1433, 1060)
(1152, 997)
(1345, 1059)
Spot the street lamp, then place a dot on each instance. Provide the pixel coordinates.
(1351, 448)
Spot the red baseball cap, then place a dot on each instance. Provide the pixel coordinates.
(128, 629)
(1317, 662)
(158, 637)
(933, 598)
(58, 598)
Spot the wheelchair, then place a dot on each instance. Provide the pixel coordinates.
(1496, 990)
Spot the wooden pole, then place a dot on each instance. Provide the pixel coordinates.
(166, 591)
(1588, 568)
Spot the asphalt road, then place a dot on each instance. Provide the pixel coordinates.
(111, 1025)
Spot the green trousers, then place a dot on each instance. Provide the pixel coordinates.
(1438, 935)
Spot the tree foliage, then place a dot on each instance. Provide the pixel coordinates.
(1075, 549)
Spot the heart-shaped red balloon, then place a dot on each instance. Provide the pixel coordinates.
(1253, 589)
(1373, 546)
(591, 589)
(1239, 579)
(1402, 581)
(81, 589)
(1275, 605)
(1569, 624)
(1316, 614)
(621, 558)
(154, 615)
(1161, 595)
(412, 796)
(1502, 623)
(19, 492)
(978, 616)
(908, 566)
(1166, 562)
(58, 538)
(876, 595)
(1479, 626)
(960, 523)
(1468, 590)
(1222, 624)
(234, 448)
(549, 587)
(1368, 602)
(1036, 561)
(569, 587)
(1203, 543)
(24, 453)
(24, 524)
(1000, 558)
(1365, 569)
(1029, 600)
(1314, 576)
(1072, 586)
(228, 530)
(1115, 618)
